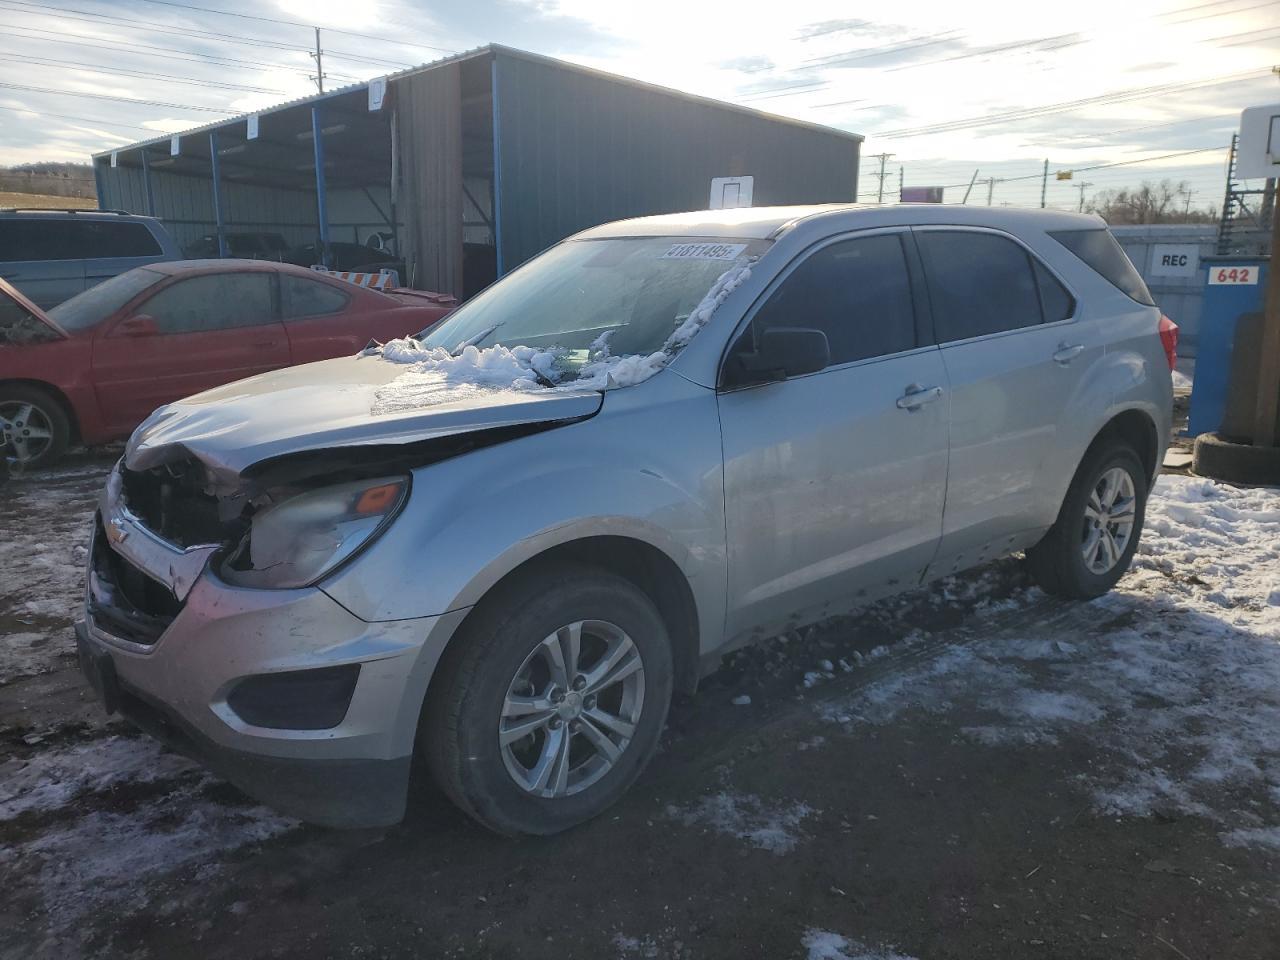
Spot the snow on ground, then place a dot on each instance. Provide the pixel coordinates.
(1174, 677)
(53, 778)
(823, 945)
(437, 376)
(769, 826)
(45, 518)
(108, 858)
(86, 830)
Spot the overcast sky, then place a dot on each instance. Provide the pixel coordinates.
(894, 75)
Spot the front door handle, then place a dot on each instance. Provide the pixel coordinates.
(917, 396)
(1067, 352)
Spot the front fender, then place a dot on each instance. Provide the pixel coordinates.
(626, 473)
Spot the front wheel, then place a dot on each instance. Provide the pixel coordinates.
(1092, 543)
(34, 429)
(550, 701)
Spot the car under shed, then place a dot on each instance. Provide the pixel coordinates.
(468, 166)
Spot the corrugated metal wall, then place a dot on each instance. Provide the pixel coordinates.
(428, 118)
(576, 149)
(1178, 297)
(185, 204)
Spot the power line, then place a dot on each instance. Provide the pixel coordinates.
(1026, 113)
(144, 50)
(104, 96)
(97, 19)
(83, 16)
(298, 23)
(63, 116)
(80, 65)
(1224, 13)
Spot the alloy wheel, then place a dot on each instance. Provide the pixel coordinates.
(572, 708)
(27, 430)
(1109, 516)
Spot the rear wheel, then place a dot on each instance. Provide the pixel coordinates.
(551, 701)
(36, 429)
(1092, 543)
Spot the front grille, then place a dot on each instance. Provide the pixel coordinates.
(124, 601)
(171, 501)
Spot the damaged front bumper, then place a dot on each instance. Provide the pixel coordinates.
(284, 692)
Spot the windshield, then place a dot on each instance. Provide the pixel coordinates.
(99, 302)
(617, 297)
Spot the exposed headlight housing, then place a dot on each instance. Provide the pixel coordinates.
(302, 539)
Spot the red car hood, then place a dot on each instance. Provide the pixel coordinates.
(9, 290)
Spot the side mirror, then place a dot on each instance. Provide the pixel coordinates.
(782, 352)
(139, 325)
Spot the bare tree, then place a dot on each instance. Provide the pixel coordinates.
(1163, 202)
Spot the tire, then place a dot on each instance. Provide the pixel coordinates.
(506, 648)
(31, 410)
(1057, 563)
(1217, 457)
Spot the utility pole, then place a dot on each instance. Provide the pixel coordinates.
(899, 183)
(1044, 184)
(969, 189)
(883, 158)
(1080, 187)
(1186, 211)
(991, 189)
(318, 57)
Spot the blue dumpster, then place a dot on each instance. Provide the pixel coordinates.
(1233, 286)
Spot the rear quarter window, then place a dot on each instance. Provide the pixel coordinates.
(1103, 253)
(101, 240)
(301, 297)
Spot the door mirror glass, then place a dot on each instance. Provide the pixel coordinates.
(139, 325)
(782, 352)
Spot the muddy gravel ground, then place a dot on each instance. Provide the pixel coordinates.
(972, 770)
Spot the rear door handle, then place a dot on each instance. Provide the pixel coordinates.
(1067, 352)
(917, 396)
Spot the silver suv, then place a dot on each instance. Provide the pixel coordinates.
(51, 255)
(502, 546)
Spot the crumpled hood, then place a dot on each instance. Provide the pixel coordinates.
(328, 404)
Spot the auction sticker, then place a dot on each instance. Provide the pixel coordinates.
(1218, 275)
(704, 251)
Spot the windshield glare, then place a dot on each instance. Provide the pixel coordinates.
(99, 302)
(633, 292)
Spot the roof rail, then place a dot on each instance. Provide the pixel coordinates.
(123, 213)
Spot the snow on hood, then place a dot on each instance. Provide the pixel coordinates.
(436, 375)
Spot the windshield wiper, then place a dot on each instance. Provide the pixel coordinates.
(472, 341)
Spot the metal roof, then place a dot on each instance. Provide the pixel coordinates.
(486, 50)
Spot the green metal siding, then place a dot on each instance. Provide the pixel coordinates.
(575, 149)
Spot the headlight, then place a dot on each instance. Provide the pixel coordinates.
(300, 540)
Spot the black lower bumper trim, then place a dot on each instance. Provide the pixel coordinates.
(328, 793)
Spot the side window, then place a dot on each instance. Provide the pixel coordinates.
(100, 240)
(979, 283)
(217, 301)
(856, 291)
(39, 238)
(1057, 303)
(300, 297)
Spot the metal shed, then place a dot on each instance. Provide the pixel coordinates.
(470, 165)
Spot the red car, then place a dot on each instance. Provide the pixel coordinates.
(94, 367)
